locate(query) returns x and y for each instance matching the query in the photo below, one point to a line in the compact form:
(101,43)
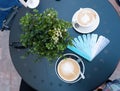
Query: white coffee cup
(86,17)
(68,69)
(32,3)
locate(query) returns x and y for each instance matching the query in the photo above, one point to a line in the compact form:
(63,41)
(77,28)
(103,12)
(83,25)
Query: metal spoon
(76,24)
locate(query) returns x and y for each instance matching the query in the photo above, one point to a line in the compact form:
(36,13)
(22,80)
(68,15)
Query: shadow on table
(25,87)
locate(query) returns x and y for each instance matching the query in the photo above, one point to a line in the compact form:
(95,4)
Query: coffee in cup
(86,17)
(68,69)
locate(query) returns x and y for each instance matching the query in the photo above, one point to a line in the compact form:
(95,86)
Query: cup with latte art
(86,17)
(70,68)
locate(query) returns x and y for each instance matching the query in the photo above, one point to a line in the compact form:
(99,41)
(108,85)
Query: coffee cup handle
(81,9)
(82,75)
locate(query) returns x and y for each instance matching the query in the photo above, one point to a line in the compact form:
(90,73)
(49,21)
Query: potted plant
(45,34)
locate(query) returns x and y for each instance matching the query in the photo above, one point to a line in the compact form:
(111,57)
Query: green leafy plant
(45,34)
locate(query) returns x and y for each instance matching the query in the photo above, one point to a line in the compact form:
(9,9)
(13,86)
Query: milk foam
(67,68)
(85,18)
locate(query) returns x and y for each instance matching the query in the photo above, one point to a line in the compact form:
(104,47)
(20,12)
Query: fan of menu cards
(89,46)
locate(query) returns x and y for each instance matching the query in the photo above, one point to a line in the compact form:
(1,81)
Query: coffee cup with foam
(70,68)
(86,17)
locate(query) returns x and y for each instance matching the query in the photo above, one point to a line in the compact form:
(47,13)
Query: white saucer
(85,29)
(32,3)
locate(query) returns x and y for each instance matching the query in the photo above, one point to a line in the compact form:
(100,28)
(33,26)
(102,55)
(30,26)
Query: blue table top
(41,75)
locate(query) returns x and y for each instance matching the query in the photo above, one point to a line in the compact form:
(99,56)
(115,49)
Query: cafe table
(41,75)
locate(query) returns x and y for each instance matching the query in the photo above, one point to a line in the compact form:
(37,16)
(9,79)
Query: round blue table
(41,75)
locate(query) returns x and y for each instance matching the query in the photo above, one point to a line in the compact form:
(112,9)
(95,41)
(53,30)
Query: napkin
(88,46)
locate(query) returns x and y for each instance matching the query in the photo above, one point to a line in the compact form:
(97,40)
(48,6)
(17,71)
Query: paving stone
(9,78)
